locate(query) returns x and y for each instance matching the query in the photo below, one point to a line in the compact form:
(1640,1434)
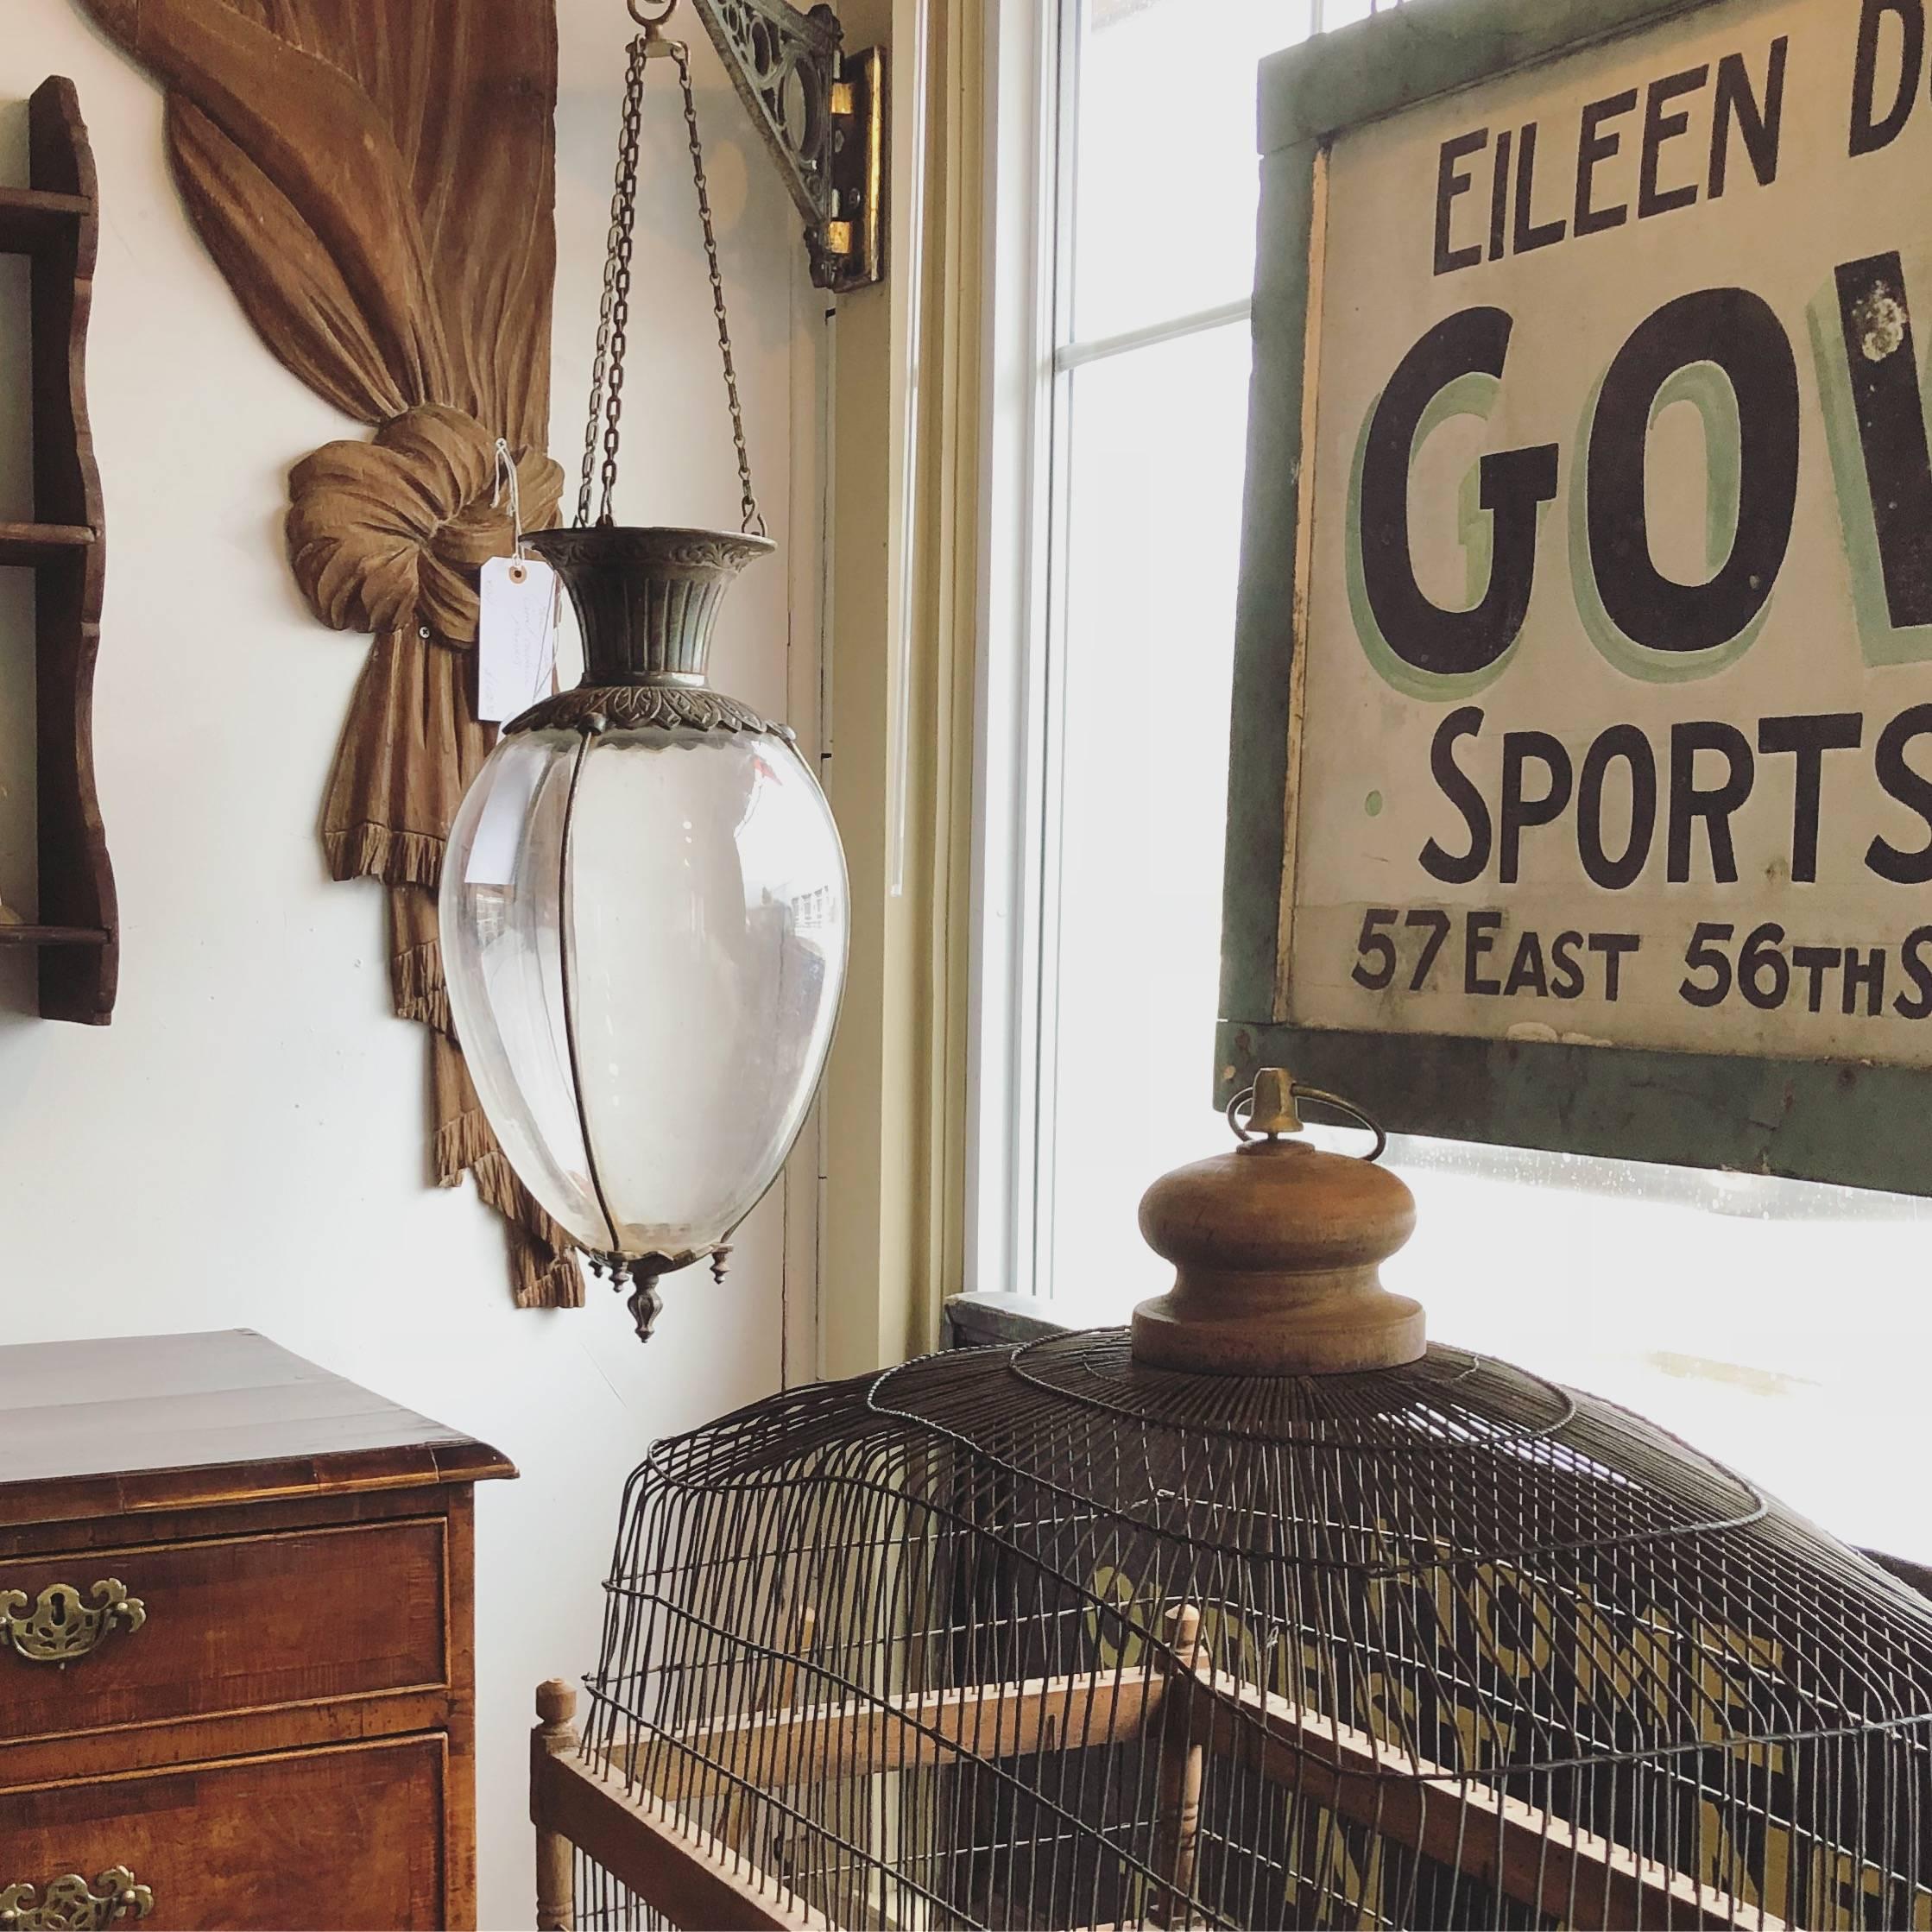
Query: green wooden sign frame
(1840,1121)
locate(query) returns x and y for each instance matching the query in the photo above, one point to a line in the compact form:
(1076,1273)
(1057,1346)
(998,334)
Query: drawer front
(346,1837)
(233,1625)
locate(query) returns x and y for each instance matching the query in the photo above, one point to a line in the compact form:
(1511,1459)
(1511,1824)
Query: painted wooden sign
(1583,747)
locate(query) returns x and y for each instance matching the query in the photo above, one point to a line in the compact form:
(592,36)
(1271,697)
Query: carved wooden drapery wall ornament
(376,182)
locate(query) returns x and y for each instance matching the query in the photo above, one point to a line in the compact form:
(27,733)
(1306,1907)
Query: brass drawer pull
(73,1905)
(61,1627)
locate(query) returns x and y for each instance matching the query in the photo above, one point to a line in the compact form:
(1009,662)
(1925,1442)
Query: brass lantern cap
(646,600)
(1276,1248)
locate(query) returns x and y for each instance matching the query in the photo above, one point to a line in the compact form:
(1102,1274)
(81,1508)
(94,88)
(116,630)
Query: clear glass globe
(644,937)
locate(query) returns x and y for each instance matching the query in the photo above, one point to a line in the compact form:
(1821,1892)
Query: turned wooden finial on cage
(1277,1246)
(553,1736)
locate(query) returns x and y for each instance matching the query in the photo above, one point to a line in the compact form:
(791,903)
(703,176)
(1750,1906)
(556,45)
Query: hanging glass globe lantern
(644,906)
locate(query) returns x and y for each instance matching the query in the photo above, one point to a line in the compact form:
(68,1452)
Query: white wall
(245,1146)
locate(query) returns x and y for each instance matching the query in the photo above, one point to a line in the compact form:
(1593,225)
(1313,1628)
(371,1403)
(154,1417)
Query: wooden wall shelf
(33,219)
(41,543)
(55,224)
(52,935)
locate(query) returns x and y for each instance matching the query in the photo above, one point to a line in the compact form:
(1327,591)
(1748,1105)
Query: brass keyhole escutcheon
(62,1625)
(73,1905)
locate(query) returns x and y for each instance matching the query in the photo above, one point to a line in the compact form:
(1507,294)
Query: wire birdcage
(1056,1637)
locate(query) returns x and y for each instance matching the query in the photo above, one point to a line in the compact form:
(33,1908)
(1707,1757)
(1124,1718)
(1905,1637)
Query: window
(1109,783)
(1779,1325)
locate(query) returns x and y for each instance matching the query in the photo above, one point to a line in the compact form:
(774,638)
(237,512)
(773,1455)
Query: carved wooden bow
(375,181)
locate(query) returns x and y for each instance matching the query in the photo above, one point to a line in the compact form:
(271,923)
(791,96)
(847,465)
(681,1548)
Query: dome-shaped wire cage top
(1057,1637)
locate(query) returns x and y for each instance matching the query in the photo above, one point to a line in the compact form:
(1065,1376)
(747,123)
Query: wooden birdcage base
(636,1827)
(689,1876)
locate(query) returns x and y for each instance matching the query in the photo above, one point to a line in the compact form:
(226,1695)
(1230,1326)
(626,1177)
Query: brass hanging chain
(747,501)
(607,366)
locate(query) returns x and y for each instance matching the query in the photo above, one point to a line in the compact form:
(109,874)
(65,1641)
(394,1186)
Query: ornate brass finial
(1274,1108)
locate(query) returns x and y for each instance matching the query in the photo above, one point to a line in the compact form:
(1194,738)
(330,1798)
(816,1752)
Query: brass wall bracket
(822,111)
(73,1905)
(62,1627)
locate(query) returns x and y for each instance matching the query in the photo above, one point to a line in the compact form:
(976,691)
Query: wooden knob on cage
(1276,1248)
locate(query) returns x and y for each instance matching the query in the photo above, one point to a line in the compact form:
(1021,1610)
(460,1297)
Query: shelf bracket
(822,111)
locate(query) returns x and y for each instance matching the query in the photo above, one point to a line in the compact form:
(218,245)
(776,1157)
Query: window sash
(1034,358)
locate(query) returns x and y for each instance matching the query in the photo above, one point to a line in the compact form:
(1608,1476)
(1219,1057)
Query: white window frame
(1024,197)
(1031,351)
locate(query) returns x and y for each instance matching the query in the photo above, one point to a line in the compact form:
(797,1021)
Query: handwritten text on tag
(516,637)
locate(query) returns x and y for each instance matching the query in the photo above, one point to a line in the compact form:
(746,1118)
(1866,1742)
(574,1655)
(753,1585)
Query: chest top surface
(175,1420)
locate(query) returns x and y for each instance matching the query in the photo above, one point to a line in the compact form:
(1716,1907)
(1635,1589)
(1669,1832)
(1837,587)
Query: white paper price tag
(516,637)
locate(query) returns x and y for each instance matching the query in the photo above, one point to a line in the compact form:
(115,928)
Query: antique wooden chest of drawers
(235,1604)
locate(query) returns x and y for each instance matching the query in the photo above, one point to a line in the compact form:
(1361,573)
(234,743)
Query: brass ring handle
(1355,1113)
(1300,1093)
(73,1905)
(62,1627)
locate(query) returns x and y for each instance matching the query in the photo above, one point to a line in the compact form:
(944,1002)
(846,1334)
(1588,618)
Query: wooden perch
(1527,1855)
(774,1750)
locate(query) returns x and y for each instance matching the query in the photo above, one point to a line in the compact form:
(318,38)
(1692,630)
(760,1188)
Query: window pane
(1164,166)
(1147,657)
(1781,1326)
